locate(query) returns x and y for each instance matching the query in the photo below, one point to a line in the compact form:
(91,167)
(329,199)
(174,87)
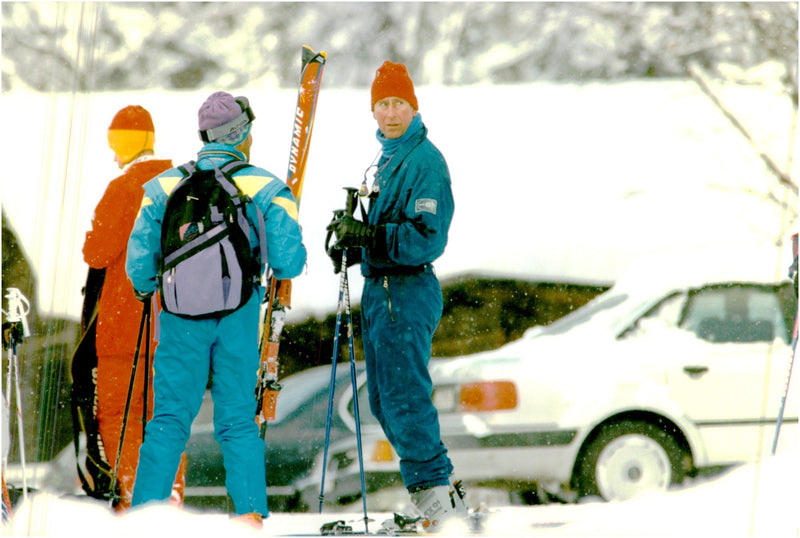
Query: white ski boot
(437,504)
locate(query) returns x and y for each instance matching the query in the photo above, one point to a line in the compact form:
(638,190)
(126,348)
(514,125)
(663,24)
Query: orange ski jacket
(106,244)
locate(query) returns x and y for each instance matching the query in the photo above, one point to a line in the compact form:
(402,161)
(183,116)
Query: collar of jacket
(390,145)
(402,152)
(220,153)
(140,159)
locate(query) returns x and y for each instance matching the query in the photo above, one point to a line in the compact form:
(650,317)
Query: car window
(298,389)
(735,313)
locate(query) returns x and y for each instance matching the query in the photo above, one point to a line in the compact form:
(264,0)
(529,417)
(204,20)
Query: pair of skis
(401,525)
(279,293)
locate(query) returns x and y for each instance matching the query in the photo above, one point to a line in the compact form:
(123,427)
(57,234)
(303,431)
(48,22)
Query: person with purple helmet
(226,348)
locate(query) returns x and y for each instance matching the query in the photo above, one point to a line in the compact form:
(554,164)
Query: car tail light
(382,451)
(488,396)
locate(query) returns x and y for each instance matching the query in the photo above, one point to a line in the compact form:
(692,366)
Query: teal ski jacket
(286,254)
(415,204)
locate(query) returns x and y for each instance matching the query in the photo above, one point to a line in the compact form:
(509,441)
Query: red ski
(279,293)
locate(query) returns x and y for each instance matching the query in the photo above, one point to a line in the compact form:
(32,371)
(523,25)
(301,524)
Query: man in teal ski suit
(410,209)
(227,347)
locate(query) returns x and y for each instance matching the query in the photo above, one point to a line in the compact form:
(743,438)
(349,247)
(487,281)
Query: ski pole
(779,422)
(332,386)
(356,414)
(17,319)
(343,305)
(146,371)
(145,319)
(793,275)
(339,213)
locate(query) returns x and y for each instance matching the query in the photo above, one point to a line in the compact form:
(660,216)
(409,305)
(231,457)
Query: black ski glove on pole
(354,233)
(335,254)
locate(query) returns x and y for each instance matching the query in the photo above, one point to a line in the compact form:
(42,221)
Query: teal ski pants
(399,315)
(188,351)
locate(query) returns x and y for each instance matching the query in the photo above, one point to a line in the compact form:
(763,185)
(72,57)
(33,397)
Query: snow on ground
(562,182)
(752,500)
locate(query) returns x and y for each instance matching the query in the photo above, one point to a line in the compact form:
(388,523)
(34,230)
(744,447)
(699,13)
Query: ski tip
(310,55)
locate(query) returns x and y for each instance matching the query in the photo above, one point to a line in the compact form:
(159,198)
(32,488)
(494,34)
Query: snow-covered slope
(753,500)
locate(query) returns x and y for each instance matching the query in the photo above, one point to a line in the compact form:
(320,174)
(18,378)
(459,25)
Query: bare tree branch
(697,74)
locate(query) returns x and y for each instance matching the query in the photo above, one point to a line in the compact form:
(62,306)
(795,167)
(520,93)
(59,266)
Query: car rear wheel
(628,458)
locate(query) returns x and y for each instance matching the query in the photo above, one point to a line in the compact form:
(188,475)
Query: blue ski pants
(188,351)
(399,315)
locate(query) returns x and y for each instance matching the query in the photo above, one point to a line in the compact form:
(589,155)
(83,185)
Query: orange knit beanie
(131,132)
(392,80)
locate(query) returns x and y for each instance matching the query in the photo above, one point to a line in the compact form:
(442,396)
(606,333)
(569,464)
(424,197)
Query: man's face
(393,115)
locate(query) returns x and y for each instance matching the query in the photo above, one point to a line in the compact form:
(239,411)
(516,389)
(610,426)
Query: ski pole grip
(352,199)
(18,308)
(350,208)
(337,214)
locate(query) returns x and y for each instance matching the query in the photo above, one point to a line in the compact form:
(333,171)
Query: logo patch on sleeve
(427,205)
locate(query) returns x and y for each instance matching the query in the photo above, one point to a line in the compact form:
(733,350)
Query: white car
(682,365)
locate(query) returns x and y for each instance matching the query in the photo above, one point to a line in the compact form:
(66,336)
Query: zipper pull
(388,297)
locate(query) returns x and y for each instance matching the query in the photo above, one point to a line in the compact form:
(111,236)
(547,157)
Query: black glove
(335,254)
(142,296)
(352,233)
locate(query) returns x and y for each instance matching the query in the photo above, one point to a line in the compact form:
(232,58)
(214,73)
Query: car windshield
(298,388)
(582,315)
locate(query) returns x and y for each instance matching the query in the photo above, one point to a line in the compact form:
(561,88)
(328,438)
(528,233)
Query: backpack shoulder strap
(231,167)
(226,179)
(187,169)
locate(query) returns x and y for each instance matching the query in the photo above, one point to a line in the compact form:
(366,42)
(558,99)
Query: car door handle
(695,371)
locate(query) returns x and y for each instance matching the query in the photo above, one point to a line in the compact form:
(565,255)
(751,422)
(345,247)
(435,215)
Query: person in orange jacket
(131,136)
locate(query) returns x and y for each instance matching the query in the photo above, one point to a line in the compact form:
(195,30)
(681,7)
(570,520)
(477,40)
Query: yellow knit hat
(131,132)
